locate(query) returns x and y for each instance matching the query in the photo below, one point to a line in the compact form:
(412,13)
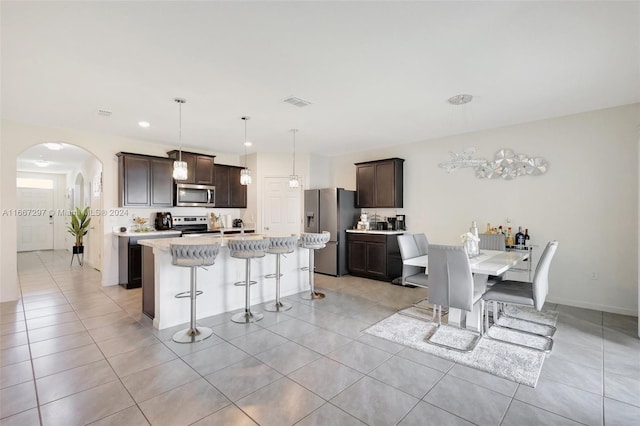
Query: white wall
(16,137)
(588,199)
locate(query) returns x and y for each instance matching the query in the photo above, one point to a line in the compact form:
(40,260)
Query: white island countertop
(153,234)
(375,232)
(164,243)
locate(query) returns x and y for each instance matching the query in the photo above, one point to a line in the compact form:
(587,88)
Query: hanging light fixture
(294,180)
(180,167)
(245,174)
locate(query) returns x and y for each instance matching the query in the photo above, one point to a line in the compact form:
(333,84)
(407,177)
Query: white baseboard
(594,306)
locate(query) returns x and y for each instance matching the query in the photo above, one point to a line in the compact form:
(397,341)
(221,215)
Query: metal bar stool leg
(193,333)
(278,306)
(312,293)
(247,316)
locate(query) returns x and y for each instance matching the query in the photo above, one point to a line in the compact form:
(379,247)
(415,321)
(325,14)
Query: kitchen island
(161,280)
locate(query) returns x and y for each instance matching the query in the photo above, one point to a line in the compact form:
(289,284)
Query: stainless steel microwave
(189,195)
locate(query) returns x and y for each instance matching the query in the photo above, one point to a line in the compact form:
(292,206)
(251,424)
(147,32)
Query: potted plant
(79,227)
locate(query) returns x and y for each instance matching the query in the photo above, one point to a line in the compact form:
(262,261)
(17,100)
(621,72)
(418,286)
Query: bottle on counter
(488,231)
(526,236)
(509,237)
(520,237)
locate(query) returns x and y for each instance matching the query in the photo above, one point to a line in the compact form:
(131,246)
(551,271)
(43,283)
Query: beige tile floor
(74,353)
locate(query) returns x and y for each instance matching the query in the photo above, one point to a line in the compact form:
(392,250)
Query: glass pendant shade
(245,174)
(245,177)
(294,180)
(180,170)
(180,167)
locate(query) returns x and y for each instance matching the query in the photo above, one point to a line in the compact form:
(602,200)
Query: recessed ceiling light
(144,124)
(41,163)
(54,146)
(248,143)
(460,99)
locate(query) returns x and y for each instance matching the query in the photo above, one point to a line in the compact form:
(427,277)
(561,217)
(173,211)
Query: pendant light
(294,180)
(245,174)
(180,167)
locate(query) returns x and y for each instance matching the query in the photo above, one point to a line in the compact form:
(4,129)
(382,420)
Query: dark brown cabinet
(144,181)
(380,183)
(374,256)
(200,167)
(229,191)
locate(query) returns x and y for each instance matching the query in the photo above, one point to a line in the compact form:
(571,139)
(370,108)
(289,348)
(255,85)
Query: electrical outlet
(594,276)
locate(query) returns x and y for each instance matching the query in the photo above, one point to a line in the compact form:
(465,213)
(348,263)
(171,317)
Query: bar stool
(279,246)
(313,242)
(247,250)
(192,256)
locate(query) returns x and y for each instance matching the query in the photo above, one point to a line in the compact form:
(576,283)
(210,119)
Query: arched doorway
(73,177)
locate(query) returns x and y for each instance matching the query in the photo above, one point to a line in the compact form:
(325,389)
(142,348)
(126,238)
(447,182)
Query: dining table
(487,262)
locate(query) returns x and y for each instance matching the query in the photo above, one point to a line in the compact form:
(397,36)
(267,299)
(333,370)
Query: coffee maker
(401,223)
(163,221)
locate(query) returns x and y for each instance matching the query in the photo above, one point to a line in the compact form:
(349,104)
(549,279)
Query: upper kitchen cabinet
(229,191)
(200,168)
(144,181)
(379,183)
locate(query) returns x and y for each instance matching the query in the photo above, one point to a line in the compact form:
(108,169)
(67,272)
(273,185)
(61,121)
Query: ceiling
(377,73)
(63,161)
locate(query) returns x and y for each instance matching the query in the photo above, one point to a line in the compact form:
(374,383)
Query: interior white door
(282,210)
(35,219)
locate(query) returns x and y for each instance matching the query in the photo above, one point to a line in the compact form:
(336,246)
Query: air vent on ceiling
(104,112)
(295,101)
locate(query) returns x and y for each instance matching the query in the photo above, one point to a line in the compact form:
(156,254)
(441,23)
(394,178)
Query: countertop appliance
(163,221)
(189,195)
(332,210)
(401,222)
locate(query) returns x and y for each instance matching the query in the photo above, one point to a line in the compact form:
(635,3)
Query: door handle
(266,228)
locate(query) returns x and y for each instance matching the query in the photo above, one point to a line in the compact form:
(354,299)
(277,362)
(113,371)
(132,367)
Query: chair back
(314,241)
(248,248)
(540,283)
(492,242)
(408,247)
(194,254)
(450,280)
(422,243)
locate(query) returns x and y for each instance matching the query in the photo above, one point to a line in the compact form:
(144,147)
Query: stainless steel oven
(189,195)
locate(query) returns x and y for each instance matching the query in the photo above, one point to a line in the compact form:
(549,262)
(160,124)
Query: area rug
(510,362)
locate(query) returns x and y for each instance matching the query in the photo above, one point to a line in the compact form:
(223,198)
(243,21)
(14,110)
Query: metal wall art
(506,164)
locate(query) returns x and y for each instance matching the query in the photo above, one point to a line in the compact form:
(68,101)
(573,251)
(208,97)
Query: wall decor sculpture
(506,164)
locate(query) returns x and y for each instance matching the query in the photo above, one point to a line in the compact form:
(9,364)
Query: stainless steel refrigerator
(332,210)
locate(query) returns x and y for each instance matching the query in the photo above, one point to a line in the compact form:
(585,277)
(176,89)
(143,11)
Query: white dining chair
(522,293)
(451,284)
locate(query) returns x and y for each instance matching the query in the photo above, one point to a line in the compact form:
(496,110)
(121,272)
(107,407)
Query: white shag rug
(510,362)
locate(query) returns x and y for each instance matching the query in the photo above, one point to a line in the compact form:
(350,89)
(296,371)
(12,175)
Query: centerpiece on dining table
(471,241)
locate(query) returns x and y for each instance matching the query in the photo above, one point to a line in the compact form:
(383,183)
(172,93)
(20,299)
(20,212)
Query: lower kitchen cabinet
(130,260)
(375,256)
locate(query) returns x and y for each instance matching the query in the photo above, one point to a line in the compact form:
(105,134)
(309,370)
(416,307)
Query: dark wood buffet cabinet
(379,183)
(375,256)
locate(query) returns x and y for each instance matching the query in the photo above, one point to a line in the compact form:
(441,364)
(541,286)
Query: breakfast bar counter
(161,280)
